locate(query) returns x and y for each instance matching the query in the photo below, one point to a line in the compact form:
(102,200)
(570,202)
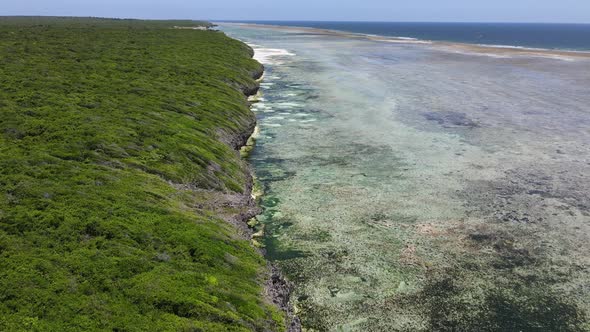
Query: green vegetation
(111,151)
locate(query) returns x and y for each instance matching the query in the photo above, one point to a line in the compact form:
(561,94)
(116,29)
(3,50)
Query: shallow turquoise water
(413,187)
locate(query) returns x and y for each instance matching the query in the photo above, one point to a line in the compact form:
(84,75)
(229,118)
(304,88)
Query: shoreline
(446,46)
(277,289)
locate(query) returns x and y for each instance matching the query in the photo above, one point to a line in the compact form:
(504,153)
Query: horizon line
(379,21)
(299,20)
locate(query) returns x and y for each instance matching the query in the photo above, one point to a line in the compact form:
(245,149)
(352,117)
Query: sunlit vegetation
(101,123)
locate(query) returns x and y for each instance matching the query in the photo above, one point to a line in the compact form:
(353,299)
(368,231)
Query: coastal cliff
(120,173)
(277,288)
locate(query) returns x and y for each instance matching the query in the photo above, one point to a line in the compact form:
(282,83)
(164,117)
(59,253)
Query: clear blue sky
(360,10)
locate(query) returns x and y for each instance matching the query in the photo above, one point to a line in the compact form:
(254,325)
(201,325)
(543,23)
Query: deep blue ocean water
(535,35)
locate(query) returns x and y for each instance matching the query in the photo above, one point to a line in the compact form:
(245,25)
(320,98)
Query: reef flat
(123,193)
(424,186)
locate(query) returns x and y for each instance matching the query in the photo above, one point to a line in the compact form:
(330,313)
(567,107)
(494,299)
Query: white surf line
(269,55)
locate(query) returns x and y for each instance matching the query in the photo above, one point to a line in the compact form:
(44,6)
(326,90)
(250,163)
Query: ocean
(423,186)
(533,35)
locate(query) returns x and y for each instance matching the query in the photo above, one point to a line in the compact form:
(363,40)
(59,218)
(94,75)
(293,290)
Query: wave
(269,55)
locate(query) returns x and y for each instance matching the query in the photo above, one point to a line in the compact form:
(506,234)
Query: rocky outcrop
(277,288)
(278,291)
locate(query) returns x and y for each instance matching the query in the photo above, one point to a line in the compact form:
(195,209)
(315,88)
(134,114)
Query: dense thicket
(101,123)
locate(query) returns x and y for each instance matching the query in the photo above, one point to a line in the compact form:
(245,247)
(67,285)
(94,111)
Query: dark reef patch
(275,252)
(450,119)
(454,305)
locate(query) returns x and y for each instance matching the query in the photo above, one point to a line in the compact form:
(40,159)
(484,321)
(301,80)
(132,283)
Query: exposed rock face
(277,288)
(253,89)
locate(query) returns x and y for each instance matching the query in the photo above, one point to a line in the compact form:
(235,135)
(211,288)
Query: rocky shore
(277,289)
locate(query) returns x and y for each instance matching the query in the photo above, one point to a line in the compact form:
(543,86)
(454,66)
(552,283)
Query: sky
(565,11)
